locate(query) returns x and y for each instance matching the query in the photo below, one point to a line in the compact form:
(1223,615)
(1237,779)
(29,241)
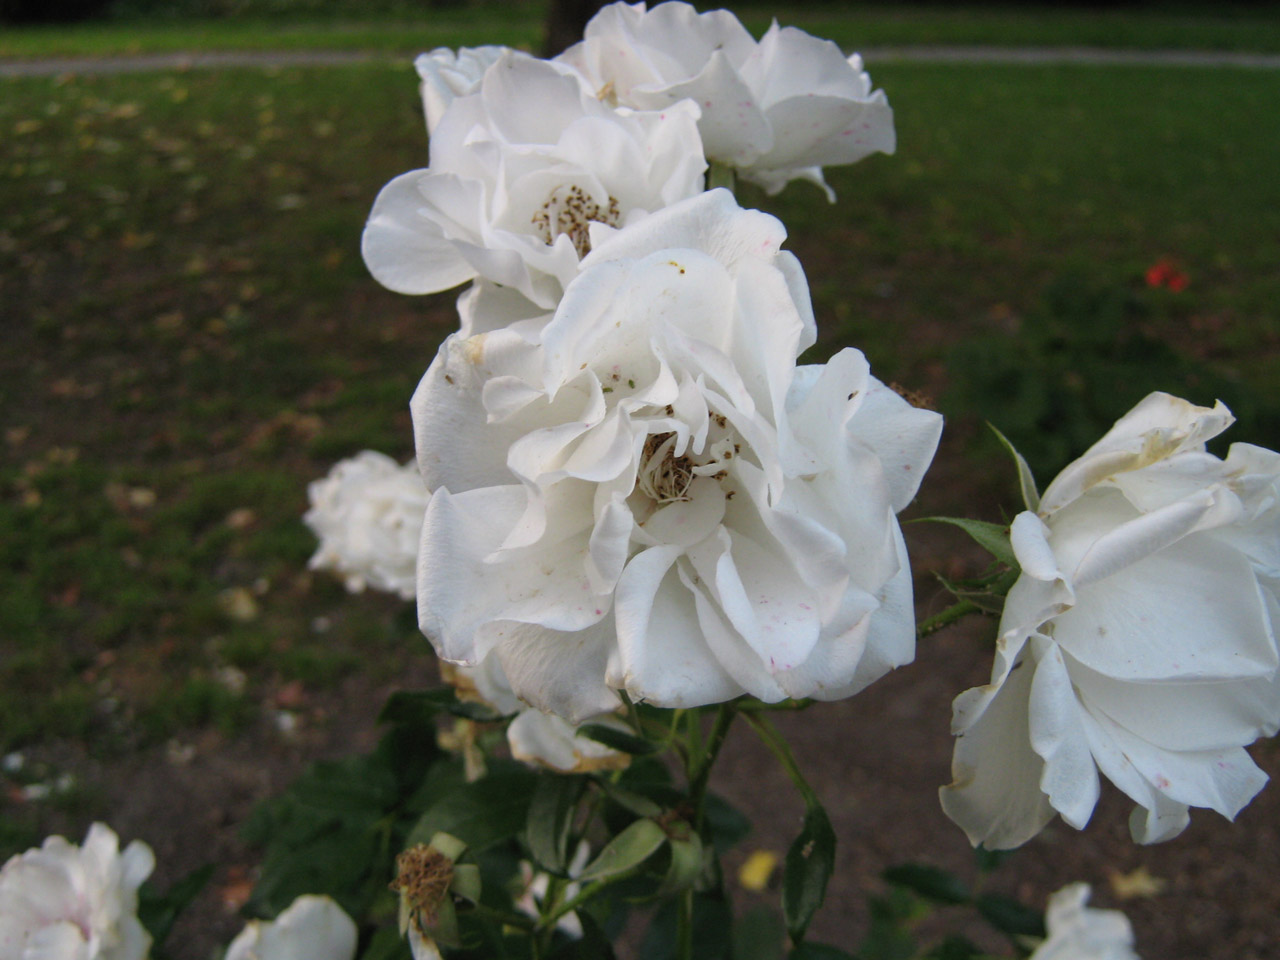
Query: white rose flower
(537,738)
(63,902)
(448,74)
(520,171)
(367,513)
(1138,641)
(777,110)
(650,495)
(312,928)
(1077,932)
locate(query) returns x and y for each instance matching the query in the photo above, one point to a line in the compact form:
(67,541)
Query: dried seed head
(423,875)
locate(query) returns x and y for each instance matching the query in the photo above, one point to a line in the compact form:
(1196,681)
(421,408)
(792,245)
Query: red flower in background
(1163,273)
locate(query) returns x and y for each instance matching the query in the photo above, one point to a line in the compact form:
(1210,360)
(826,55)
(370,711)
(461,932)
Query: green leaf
(387,944)
(412,706)
(479,814)
(726,825)
(759,934)
(809,865)
(617,739)
(712,926)
(1011,917)
(686,864)
(592,945)
(955,948)
(628,849)
(889,936)
(929,882)
(159,911)
(637,803)
(1026,482)
(992,537)
(550,818)
(818,951)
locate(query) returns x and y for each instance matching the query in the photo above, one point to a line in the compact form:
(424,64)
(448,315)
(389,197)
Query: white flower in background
(63,902)
(367,513)
(520,171)
(1077,932)
(534,888)
(652,496)
(1138,642)
(538,738)
(777,110)
(312,928)
(448,74)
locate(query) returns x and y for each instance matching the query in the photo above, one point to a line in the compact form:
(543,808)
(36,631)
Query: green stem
(700,777)
(684,926)
(548,921)
(778,747)
(721,175)
(946,618)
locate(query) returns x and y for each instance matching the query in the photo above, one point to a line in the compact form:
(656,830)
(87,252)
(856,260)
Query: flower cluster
(634,486)
(1139,641)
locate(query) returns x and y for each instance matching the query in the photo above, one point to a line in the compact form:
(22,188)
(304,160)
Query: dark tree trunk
(566,19)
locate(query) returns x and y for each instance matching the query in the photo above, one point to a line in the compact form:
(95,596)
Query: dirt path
(1091,56)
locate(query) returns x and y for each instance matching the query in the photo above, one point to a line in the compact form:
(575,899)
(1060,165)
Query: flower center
(664,477)
(569,211)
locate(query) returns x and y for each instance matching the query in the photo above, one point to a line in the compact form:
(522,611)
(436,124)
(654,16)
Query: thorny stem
(946,618)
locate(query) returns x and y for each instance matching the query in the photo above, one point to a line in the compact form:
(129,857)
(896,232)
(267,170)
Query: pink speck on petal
(1162,782)
(598,611)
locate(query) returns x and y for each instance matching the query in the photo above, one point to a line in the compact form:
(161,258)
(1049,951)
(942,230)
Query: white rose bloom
(650,495)
(367,513)
(777,110)
(312,928)
(519,172)
(63,902)
(448,74)
(1077,932)
(541,739)
(1138,641)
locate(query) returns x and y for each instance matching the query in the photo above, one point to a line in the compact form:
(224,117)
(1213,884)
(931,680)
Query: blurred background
(189,337)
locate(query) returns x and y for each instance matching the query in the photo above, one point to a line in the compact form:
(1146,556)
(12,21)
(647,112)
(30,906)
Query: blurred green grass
(1219,27)
(191,336)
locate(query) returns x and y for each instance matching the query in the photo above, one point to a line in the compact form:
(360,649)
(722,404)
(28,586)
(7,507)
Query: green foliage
(930,882)
(338,828)
(551,815)
(810,862)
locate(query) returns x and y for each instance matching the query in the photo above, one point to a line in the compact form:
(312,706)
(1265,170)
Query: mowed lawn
(190,336)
